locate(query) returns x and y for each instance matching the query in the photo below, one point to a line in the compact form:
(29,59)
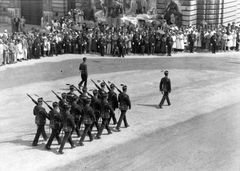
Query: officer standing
(88,119)
(165,88)
(125,104)
(55,124)
(68,126)
(84,73)
(40,119)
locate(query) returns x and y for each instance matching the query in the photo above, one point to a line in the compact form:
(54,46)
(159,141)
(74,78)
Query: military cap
(95,91)
(64,95)
(66,106)
(40,99)
(166,72)
(102,84)
(71,86)
(104,95)
(124,87)
(55,104)
(74,98)
(112,86)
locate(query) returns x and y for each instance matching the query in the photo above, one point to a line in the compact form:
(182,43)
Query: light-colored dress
(230,40)
(19,51)
(1,54)
(181,41)
(177,42)
(234,39)
(174,42)
(199,40)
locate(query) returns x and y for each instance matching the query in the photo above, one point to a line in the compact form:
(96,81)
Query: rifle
(75,88)
(34,101)
(116,87)
(59,98)
(107,86)
(46,103)
(96,85)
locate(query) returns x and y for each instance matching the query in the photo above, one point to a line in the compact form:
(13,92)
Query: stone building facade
(194,12)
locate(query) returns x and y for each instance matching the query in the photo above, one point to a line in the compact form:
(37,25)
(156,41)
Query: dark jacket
(106,108)
(112,99)
(56,119)
(88,116)
(165,85)
(40,115)
(124,101)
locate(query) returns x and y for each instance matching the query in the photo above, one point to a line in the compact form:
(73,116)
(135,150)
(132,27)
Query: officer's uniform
(70,95)
(68,126)
(88,119)
(125,104)
(105,114)
(56,125)
(112,100)
(165,87)
(96,106)
(40,119)
(76,112)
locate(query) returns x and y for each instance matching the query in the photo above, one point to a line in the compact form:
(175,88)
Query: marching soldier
(102,90)
(165,88)
(96,106)
(55,124)
(112,100)
(105,114)
(88,119)
(125,104)
(68,126)
(63,100)
(71,94)
(40,119)
(76,112)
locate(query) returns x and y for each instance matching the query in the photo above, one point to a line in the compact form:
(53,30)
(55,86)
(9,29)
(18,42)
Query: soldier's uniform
(55,124)
(77,113)
(70,95)
(68,126)
(88,119)
(165,88)
(113,101)
(125,104)
(96,106)
(105,114)
(40,119)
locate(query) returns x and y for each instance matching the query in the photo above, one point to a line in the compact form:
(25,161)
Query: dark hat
(166,72)
(64,95)
(87,100)
(104,95)
(71,86)
(102,84)
(55,104)
(112,86)
(124,87)
(74,98)
(84,58)
(95,91)
(40,99)
(66,106)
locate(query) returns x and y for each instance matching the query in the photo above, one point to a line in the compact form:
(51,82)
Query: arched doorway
(32,10)
(71,4)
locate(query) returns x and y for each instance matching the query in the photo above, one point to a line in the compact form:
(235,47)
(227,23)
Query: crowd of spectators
(72,35)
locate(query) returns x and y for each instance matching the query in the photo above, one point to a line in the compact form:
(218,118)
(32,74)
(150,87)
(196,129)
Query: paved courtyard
(199,131)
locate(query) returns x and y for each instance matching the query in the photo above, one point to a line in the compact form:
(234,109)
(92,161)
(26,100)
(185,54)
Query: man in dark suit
(165,88)
(169,44)
(214,43)
(112,100)
(191,40)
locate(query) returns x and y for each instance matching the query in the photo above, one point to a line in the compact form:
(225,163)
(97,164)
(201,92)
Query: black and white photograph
(119,85)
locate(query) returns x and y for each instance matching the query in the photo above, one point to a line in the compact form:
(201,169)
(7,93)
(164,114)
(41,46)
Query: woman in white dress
(230,41)
(19,50)
(174,37)
(1,52)
(234,34)
(178,41)
(199,40)
(181,41)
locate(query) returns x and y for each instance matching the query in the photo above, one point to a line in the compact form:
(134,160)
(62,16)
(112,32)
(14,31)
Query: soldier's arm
(46,114)
(160,85)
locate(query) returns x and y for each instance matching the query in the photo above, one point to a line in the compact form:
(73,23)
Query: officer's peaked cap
(40,99)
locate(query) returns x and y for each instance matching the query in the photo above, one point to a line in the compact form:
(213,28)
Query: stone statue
(172,14)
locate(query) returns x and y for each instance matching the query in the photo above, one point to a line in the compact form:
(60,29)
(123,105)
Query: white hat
(5,31)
